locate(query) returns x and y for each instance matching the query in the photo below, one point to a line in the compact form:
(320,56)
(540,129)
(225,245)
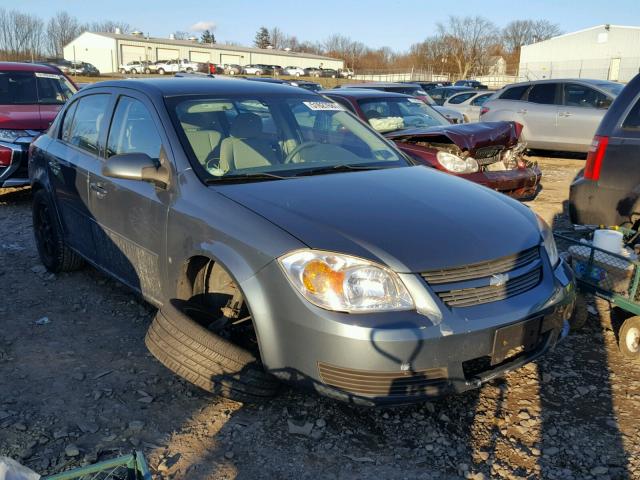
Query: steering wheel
(298,149)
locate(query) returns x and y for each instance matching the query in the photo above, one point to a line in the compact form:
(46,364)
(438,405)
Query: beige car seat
(245,147)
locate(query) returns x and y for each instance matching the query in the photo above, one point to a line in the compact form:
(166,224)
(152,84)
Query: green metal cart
(126,467)
(610,277)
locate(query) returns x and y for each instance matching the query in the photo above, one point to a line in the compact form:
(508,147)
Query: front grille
(466,297)
(373,383)
(483,269)
(488,152)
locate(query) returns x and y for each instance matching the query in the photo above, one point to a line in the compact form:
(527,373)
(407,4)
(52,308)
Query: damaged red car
(487,153)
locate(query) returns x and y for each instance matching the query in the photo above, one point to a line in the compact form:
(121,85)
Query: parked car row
(163,66)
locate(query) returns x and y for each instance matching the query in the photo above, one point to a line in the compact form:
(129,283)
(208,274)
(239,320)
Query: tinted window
(514,93)
(436,93)
(633,119)
(576,95)
(87,122)
(132,130)
(67,123)
(344,103)
(460,98)
(480,100)
(29,88)
(544,93)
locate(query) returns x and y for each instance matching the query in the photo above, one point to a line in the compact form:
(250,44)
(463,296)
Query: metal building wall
(596,52)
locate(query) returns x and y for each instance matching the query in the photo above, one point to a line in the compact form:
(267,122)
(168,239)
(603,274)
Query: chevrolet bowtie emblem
(499,279)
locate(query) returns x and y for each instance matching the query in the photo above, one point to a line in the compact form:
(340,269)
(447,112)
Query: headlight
(454,163)
(548,241)
(11,135)
(345,283)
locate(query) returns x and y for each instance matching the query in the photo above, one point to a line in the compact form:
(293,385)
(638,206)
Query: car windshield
(389,114)
(275,137)
(610,87)
(31,88)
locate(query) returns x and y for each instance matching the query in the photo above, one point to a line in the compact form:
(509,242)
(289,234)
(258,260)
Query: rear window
(514,93)
(543,93)
(632,122)
(460,98)
(30,88)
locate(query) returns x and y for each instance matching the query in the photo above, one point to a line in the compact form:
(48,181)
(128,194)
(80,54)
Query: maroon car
(486,153)
(30,97)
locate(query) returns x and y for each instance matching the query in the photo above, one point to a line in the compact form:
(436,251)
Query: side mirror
(136,166)
(606,103)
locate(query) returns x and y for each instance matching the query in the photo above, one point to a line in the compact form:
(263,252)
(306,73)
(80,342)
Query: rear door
(540,113)
(474,106)
(580,114)
(70,157)
(131,215)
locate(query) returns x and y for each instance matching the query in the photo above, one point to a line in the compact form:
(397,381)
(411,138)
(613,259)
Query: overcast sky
(377,23)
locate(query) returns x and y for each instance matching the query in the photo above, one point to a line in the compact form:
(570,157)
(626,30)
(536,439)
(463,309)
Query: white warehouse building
(107,51)
(603,52)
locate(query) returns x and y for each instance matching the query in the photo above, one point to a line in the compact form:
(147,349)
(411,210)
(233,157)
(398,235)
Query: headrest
(246,125)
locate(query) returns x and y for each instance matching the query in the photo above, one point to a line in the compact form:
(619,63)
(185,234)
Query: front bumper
(520,183)
(398,357)
(16,174)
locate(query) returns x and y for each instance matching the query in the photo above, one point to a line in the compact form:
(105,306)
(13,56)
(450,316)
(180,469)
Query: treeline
(24,36)
(460,47)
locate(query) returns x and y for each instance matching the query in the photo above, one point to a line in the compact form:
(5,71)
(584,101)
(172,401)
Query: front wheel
(123,71)
(629,338)
(147,71)
(161,71)
(189,69)
(54,253)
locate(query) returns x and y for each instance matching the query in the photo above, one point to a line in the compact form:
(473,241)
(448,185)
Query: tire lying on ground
(205,359)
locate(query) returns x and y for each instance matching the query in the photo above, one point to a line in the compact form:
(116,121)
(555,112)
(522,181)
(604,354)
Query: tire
(161,71)
(232,72)
(297,74)
(134,71)
(206,359)
(258,73)
(147,71)
(189,70)
(54,254)
(123,71)
(580,314)
(629,338)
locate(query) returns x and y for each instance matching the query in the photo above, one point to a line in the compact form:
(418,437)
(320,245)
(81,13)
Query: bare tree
(61,29)
(467,41)
(277,37)
(180,35)
(109,26)
(21,35)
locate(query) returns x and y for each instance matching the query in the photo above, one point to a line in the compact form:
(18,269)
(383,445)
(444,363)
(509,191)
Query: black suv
(607,192)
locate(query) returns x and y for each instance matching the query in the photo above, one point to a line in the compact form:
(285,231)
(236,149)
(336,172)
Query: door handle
(99,190)
(565,114)
(522,110)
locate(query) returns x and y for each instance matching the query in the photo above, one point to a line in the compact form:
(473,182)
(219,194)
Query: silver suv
(555,114)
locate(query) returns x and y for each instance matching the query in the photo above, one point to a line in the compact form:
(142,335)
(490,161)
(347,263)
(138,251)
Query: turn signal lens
(318,277)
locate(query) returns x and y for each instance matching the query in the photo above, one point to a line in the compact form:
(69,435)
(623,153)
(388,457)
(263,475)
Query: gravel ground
(77,385)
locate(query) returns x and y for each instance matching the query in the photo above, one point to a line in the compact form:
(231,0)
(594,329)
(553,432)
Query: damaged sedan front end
(489,154)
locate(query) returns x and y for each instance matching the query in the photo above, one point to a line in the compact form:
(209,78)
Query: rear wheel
(161,71)
(147,71)
(134,71)
(189,69)
(123,71)
(54,254)
(629,338)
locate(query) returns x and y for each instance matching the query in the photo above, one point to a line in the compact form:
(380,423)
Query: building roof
(215,46)
(595,27)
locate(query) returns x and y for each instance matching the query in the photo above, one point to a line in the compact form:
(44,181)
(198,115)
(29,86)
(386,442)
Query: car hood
(412,219)
(467,136)
(27,117)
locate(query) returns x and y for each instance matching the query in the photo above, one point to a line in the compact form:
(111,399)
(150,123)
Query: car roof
(459,88)
(170,87)
(27,67)
(375,84)
(590,81)
(358,93)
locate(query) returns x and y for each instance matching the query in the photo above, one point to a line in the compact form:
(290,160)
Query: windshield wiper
(244,177)
(338,169)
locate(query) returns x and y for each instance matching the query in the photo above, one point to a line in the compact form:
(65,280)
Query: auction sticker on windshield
(323,106)
(47,75)
(415,100)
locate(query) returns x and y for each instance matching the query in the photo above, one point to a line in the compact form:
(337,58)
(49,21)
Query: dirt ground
(77,385)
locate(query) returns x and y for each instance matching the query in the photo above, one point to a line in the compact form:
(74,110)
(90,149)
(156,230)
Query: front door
(131,215)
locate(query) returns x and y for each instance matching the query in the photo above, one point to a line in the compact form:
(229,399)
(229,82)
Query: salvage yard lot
(77,384)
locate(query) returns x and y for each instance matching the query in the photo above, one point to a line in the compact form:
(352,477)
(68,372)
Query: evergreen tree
(262,40)
(207,37)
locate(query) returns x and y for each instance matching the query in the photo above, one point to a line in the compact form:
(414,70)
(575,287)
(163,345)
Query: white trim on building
(106,51)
